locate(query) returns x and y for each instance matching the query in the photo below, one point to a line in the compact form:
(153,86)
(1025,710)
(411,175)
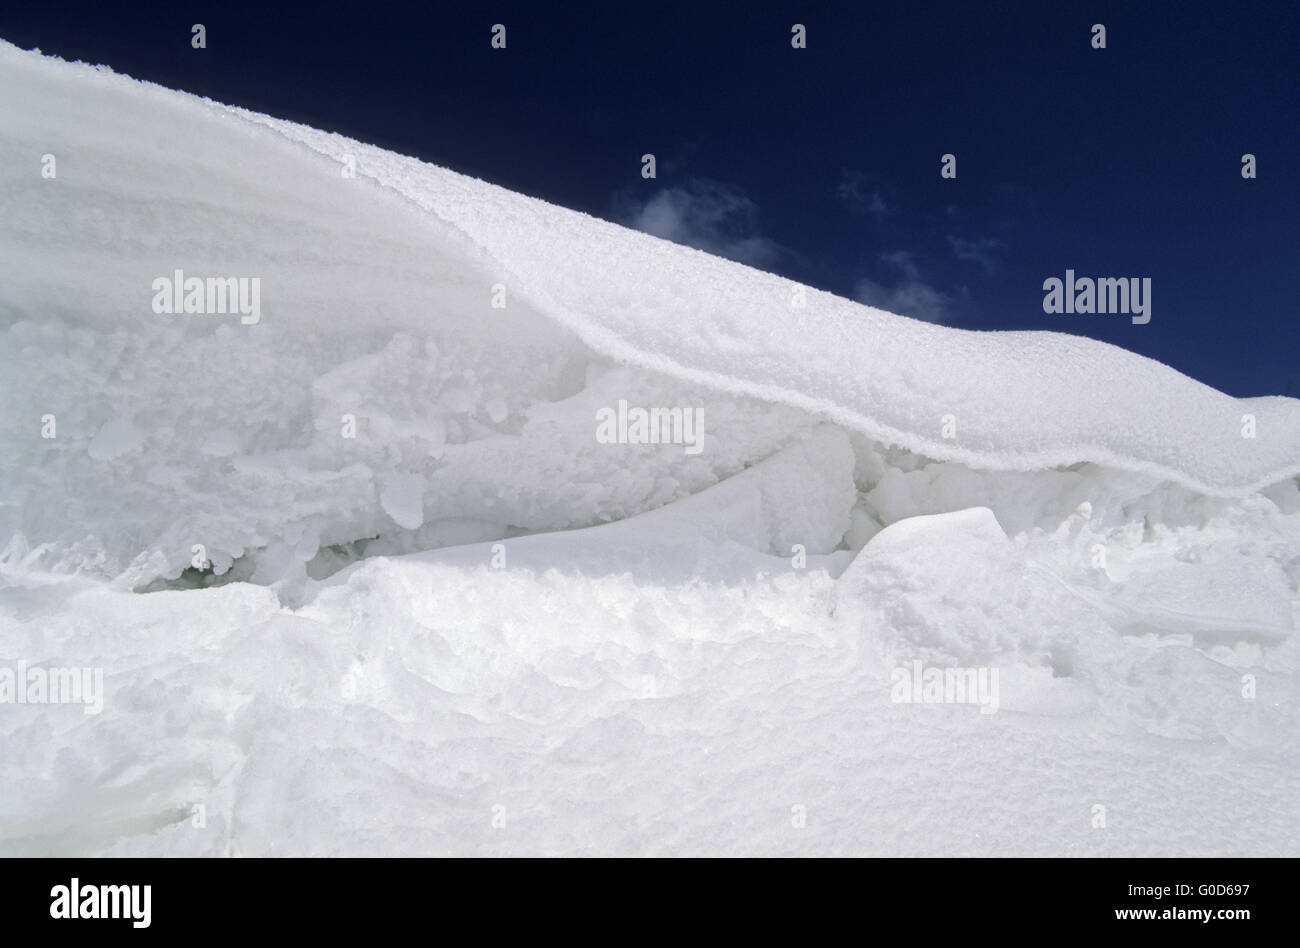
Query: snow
(441,617)
(114,439)
(402,498)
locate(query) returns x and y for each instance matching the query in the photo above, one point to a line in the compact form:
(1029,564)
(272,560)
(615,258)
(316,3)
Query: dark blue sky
(822,164)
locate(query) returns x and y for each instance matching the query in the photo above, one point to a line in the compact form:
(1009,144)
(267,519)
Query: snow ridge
(1022,400)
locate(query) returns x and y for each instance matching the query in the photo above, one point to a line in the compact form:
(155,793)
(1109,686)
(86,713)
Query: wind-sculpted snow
(376,303)
(440,613)
(1021,401)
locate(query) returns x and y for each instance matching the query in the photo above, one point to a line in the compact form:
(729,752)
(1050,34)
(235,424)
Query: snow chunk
(402,497)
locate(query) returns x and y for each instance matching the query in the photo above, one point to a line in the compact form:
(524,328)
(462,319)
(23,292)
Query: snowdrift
(376,302)
(433,613)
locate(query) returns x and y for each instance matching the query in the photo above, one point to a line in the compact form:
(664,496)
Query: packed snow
(362,578)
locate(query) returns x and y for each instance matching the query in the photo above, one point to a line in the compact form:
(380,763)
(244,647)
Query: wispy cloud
(865,194)
(707,215)
(908,294)
(980,251)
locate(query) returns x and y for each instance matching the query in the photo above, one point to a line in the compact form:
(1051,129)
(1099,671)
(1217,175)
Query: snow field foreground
(472,627)
(648,687)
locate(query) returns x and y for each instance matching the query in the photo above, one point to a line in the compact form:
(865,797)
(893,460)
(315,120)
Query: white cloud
(707,215)
(903,262)
(980,251)
(909,296)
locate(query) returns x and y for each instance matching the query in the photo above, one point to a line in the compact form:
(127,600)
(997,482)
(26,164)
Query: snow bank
(376,312)
(1021,400)
(441,616)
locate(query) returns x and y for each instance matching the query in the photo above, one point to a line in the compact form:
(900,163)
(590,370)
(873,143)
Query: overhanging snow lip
(615,347)
(602,339)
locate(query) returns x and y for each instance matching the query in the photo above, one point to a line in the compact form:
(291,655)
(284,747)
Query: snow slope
(474,628)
